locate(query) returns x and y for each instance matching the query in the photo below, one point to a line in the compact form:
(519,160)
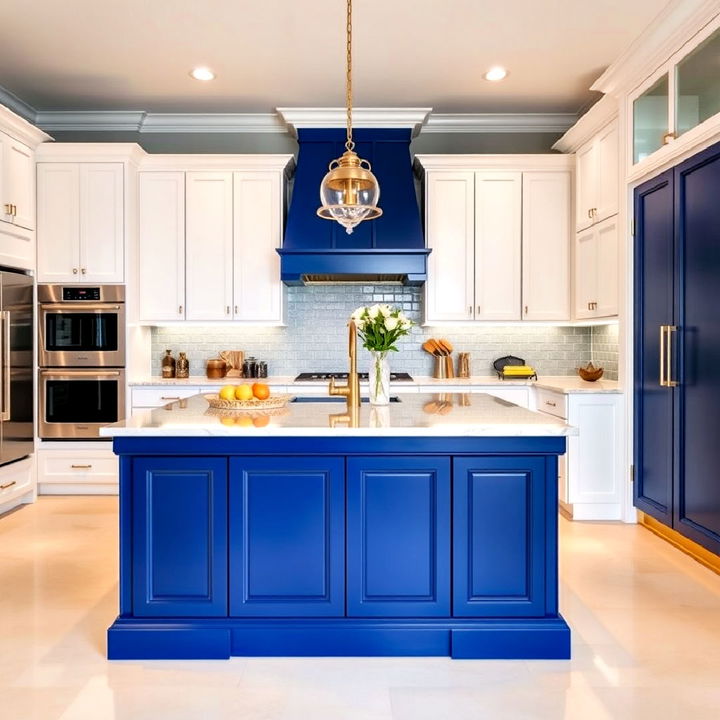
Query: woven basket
(274,402)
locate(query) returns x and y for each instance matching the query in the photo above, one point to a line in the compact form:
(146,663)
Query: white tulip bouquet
(380,326)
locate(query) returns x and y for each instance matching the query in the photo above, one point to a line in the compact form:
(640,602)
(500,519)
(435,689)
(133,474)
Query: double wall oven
(82,359)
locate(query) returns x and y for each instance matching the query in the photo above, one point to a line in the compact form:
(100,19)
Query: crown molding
(556,161)
(18,106)
(247,161)
(597,117)
(666,34)
(103,120)
(84,151)
(22,130)
(336,117)
(499,122)
(212,123)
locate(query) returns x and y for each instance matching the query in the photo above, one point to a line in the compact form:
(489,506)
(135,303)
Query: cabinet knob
(74,271)
(83,271)
(180,310)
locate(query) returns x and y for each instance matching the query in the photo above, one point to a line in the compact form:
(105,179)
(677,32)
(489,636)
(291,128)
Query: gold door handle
(551,404)
(590,213)
(227,309)
(236,309)
(162,397)
(180,310)
(14,210)
(470,310)
(8,209)
(81,467)
(7,485)
(478,309)
(663,356)
(83,271)
(668,362)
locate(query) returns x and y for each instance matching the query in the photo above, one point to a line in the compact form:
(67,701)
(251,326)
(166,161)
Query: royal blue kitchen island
(413,533)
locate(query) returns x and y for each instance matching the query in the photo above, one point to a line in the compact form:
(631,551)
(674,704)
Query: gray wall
(456,143)
(315,337)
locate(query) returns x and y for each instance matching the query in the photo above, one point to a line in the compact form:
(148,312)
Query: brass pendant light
(349,193)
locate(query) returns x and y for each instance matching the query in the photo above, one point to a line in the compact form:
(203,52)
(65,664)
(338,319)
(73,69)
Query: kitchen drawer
(15,479)
(517,395)
(551,403)
(150,396)
(60,470)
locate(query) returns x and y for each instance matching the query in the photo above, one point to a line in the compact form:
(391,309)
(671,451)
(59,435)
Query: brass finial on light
(349,193)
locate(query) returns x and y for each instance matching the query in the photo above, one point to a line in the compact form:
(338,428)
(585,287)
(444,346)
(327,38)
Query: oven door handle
(71,373)
(70,307)
(6,397)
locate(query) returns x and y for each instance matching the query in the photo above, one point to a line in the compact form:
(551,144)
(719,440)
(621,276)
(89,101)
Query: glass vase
(379,380)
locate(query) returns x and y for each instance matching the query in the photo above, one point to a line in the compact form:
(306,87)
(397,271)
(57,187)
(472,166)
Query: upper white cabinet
(546,237)
(17,182)
(161,232)
(596,196)
(215,234)
(209,245)
(596,271)
(500,238)
(80,222)
(257,232)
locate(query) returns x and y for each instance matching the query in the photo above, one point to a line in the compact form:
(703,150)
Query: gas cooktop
(321,376)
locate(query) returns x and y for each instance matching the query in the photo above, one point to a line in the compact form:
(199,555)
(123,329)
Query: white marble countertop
(417,414)
(566,384)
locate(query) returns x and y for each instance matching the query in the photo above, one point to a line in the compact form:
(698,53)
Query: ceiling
(136,54)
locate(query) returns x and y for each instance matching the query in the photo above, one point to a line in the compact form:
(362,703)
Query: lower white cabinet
(17,483)
(153,396)
(77,470)
(590,473)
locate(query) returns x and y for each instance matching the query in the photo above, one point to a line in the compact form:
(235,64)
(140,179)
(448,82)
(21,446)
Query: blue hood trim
(389,248)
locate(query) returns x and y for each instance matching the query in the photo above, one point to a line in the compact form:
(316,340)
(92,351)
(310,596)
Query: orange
(261,391)
(261,421)
(243,392)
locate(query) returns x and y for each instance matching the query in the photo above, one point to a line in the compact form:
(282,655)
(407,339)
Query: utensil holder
(440,372)
(464,365)
(449,370)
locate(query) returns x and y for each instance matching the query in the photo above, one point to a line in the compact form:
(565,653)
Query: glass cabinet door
(698,85)
(650,119)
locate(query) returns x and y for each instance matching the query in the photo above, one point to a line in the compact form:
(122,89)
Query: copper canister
(216,368)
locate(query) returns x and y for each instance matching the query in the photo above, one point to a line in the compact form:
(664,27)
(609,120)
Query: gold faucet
(351,390)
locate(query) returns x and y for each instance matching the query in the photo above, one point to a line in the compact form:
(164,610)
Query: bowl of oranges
(247,397)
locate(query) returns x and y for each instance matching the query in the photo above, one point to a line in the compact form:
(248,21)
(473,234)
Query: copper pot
(216,368)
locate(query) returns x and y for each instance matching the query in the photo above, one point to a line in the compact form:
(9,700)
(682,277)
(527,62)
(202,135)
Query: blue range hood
(390,249)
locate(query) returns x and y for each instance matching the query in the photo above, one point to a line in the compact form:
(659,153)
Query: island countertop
(415,415)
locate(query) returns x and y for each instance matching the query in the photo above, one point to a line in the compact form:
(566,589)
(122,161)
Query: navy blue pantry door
(179,537)
(502,524)
(696,506)
(398,536)
(655,264)
(287,536)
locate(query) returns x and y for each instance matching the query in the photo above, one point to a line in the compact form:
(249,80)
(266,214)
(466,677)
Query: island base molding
(501,639)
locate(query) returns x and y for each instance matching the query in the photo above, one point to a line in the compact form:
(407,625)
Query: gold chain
(349,144)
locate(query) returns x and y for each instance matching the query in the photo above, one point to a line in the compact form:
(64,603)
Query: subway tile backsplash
(316,338)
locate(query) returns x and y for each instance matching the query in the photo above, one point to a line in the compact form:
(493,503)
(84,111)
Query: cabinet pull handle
(236,309)
(14,210)
(470,310)
(478,309)
(162,397)
(83,271)
(526,309)
(668,362)
(81,467)
(550,403)
(7,485)
(589,213)
(180,310)
(663,381)
(74,271)
(8,209)
(227,309)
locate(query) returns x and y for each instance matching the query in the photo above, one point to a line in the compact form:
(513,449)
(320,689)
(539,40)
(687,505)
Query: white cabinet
(152,396)
(498,210)
(596,271)
(209,245)
(590,473)
(17,183)
(257,228)
(597,178)
(77,470)
(450,232)
(17,483)
(500,242)
(546,237)
(80,222)
(161,251)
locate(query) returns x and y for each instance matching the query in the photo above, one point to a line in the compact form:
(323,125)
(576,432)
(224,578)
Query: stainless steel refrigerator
(16,366)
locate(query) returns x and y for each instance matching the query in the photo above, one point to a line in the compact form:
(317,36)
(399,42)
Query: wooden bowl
(590,374)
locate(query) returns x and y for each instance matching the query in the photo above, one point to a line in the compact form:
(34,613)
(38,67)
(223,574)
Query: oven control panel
(81,293)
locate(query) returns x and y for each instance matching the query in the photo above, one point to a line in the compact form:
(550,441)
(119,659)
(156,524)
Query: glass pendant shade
(349,193)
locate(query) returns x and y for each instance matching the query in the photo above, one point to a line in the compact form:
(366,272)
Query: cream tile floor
(645,621)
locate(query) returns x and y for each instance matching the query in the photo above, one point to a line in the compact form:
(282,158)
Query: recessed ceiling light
(495,74)
(202,73)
